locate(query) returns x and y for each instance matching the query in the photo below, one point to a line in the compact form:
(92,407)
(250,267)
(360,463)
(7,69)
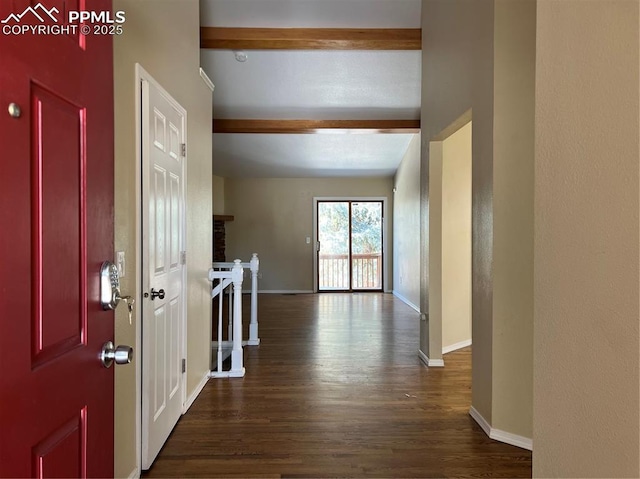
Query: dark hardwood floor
(336,389)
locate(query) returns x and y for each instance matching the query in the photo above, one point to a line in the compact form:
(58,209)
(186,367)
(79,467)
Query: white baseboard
(513,439)
(227,374)
(405,301)
(135,474)
(285,291)
(482,422)
(432,363)
(195,392)
(423,357)
(456,346)
(499,435)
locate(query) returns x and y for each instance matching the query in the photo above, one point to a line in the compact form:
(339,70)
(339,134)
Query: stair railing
(254,267)
(221,280)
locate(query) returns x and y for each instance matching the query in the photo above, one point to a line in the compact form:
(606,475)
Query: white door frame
(142,75)
(385,234)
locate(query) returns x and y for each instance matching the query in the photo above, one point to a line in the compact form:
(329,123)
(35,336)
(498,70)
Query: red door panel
(57,224)
(62,454)
(56,228)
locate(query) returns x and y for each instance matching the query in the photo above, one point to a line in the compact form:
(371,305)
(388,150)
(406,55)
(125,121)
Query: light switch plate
(308,240)
(120,263)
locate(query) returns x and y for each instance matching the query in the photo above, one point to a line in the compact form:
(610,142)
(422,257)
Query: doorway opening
(349,246)
(450,243)
(456,240)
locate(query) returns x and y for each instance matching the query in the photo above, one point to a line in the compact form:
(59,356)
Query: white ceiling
(340,85)
(311,13)
(298,156)
(349,85)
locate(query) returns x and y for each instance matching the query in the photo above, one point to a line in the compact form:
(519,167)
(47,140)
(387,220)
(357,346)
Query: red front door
(56,228)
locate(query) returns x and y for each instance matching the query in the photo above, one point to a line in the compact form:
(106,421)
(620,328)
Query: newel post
(237,368)
(254,264)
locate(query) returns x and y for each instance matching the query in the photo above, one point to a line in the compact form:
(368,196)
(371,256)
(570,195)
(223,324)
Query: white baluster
(254,340)
(219,353)
(237,368)
(230,325)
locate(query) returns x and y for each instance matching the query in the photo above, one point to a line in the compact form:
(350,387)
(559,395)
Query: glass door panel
(350,251)
(366,245)
(333,254)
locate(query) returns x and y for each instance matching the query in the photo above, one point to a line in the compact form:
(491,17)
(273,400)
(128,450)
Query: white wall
(406,221)
(586,384)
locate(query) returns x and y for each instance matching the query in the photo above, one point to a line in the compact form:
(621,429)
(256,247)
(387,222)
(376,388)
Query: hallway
(336,389)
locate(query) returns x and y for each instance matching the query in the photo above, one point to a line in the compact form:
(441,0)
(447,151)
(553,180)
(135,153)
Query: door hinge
(184,365)
(183,257)
(183,149)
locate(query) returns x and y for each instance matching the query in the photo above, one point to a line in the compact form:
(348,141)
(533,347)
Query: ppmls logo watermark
(39,20)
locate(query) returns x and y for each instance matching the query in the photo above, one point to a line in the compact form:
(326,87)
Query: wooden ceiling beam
(316,126)
(310,38)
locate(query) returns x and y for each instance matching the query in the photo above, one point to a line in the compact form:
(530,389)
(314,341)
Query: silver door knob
(119,355)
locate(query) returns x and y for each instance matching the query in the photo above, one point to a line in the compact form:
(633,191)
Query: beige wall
(457,74)
(456,237)
(273,217)
(586,240)
(218,195)
(513,159)
(478,62)
(406,221)
(434,348)
(164,38)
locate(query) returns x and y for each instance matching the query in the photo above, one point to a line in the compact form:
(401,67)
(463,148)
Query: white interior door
(163,311)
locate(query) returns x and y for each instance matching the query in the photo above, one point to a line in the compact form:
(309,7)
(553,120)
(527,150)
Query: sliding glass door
(350,245)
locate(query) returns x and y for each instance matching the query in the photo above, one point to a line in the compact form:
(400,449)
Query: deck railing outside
(333,271)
